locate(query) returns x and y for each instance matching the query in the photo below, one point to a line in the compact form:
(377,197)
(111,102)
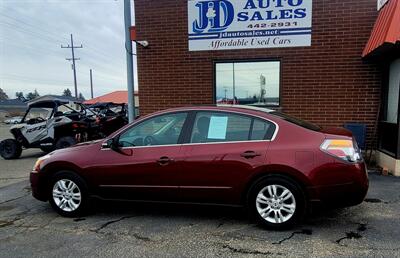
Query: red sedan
(273,164)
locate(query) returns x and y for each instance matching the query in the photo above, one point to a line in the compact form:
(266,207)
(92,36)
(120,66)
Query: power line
(48,36)
(73,59)
(33,79)
(25,23)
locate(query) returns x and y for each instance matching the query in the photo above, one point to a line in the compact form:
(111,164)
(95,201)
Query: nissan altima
(274,165)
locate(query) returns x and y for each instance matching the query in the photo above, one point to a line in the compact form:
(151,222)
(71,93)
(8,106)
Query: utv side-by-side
(112,116)
(50,125)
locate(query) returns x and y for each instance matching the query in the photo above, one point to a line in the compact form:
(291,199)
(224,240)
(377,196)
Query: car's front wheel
(277,202)
(68,194)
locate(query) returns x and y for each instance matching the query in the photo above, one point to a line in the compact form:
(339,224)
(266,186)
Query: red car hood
(79,146)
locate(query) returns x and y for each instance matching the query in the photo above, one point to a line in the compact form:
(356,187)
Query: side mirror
(108,144)
(113,145)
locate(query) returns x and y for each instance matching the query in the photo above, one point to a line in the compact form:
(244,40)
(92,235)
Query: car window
(160,130)
(220,127)
(262,130)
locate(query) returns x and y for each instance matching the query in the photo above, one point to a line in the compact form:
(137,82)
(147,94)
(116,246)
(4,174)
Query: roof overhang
(385,36)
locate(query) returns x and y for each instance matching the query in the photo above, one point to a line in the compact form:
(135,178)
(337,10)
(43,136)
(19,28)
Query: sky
(31,35)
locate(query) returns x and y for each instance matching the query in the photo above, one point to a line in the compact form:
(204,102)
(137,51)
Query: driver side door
(149,163)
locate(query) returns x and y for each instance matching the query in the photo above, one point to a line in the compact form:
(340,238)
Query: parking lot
(30,228)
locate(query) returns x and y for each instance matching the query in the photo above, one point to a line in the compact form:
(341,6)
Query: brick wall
(326,83)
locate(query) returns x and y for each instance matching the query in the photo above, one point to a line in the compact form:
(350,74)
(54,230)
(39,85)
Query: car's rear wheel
(68,194)
(277,202)
(65,142)
(10,149)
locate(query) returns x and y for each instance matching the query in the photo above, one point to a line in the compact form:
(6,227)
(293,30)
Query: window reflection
(248,83)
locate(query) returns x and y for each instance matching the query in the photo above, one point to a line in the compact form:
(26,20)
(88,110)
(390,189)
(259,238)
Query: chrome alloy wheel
(67,195)
(276,204)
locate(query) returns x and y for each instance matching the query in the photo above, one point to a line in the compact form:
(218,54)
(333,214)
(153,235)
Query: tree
(67,92)
(32,95)
(81,97)
(3,95)
(20,95)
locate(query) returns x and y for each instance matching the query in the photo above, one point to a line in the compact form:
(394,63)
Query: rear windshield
(296,121)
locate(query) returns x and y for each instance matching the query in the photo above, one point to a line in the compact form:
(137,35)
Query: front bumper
(39,186)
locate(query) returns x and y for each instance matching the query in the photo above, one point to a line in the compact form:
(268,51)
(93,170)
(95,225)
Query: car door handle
(249,154)
(164,161)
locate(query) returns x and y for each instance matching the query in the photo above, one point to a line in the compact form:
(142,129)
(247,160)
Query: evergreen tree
(3,95)
(32,95)
(67,92)
(81,97)
(20,95)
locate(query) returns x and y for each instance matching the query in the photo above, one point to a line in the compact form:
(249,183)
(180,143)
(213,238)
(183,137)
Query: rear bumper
(38,185)
(350,192)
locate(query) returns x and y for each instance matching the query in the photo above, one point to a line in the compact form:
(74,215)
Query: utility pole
(91,83)
(225,91)
(233,82)
(72,47)
(129,61)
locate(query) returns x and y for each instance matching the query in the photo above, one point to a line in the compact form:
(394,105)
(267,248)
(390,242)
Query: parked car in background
(273,164)
(13,120)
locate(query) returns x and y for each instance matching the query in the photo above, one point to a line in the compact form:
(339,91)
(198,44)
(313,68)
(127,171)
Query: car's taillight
(343,149)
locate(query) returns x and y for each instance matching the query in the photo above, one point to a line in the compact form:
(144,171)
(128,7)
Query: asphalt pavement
(30,228)
(12,171)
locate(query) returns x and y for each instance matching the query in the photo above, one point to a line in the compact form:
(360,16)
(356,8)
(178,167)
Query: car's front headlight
(39,162)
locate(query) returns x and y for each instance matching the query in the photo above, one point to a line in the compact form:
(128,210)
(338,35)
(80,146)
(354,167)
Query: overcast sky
(31,34)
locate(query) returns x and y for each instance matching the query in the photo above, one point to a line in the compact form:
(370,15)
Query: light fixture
(143,43)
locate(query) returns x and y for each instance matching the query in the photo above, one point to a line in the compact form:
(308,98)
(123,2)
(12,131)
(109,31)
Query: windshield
(296,121)
(41,113)
(69,109)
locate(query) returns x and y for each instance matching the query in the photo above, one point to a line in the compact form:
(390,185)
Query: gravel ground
(30,228)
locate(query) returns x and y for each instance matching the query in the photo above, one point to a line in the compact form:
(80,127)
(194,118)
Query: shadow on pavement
(32,155)
(168,210)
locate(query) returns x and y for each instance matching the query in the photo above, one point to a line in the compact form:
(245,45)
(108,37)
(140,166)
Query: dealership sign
(239,24)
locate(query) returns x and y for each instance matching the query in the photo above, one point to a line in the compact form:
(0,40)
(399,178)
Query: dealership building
(328,61)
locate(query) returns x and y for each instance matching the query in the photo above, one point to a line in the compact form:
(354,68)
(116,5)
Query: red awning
(386,30)
(118,97)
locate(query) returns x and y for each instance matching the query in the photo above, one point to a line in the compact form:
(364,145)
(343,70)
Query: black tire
(47,149)
(55,202)
(65,142)
(261,185)
(10,149)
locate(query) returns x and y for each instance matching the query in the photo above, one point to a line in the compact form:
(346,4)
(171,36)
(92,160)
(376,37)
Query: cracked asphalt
(30,228)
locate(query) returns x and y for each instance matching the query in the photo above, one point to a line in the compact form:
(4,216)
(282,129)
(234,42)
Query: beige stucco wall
(385,161)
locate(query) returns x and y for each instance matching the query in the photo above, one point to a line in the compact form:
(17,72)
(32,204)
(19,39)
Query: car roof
(251,110)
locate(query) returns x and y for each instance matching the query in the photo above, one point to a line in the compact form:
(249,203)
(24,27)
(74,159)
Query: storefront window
(248,83)
(393,93)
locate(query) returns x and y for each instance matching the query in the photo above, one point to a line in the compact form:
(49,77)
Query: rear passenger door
(223,150)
